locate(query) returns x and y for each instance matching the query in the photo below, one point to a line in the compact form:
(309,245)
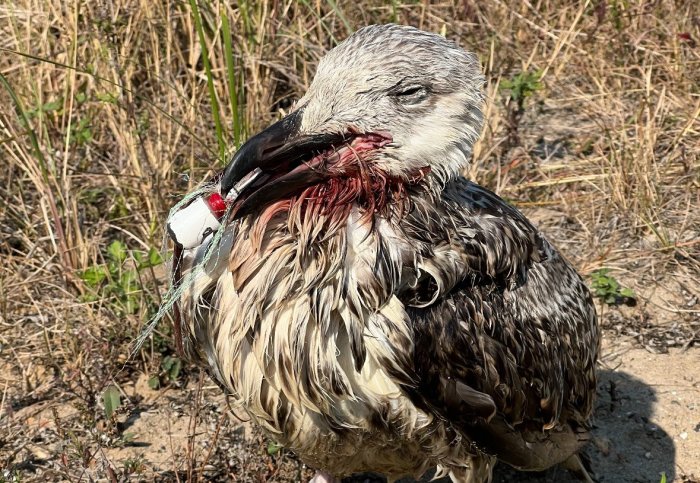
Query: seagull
(369,307)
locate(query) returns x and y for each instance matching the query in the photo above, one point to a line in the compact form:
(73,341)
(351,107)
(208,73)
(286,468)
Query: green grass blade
(341,16)
(210,79)
(43,167)
(247,24)
(22,114)
(233,87)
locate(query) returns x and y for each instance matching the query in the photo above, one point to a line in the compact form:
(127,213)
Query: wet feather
(399,316)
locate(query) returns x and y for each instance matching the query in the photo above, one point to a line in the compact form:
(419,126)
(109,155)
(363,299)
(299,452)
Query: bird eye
(411,94)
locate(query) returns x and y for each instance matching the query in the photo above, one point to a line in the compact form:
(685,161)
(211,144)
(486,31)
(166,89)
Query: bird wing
(505,338)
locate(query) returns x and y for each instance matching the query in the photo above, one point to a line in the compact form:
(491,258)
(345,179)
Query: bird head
(390,99)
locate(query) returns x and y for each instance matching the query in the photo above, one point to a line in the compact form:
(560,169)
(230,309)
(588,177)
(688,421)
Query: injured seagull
(366,305)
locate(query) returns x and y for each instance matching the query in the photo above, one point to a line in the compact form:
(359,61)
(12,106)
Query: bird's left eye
(411,95)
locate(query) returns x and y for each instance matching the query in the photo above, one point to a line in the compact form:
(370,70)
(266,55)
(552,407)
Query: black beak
(278,152)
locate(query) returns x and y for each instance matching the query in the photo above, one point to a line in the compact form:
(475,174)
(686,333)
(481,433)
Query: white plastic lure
(191,226)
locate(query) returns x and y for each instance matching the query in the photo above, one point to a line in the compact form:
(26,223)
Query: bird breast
(301,326)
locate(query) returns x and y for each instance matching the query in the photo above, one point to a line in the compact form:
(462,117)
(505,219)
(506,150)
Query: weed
(8,476)
(80,132)
(520,87)
(136,464)
(170,370)
(111,398)
(50,107)
(273,448)
(608,289)
(119,283)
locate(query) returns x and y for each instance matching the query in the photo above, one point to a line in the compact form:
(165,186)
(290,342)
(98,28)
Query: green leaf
(127,281)
(171,366)
(273,448)
(107,97)
(94,276)
(608,288)
(153,259)
(112,400)
(81,132)
(663,477)
(154,382)
(89,297)
(52,106)
(127,438)
(506,84)
(522,85)
(167,363)
(117,251)
(131,305)
(175,370)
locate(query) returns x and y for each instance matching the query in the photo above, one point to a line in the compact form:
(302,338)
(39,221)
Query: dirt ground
(647,423)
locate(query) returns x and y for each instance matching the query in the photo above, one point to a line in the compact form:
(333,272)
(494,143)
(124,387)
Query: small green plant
(81,132)
(8,476)
(663,477)
(519,88)
(117,280)
(522,86)
(111,397)
(170,370)
(136,464)
(608,289)
(273,448)
(124,439)
(55,106)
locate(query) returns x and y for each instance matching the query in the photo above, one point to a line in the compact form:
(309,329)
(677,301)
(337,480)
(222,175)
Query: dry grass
(113,119)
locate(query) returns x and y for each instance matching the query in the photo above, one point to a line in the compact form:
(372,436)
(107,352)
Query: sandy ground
(647,423)
(647,418)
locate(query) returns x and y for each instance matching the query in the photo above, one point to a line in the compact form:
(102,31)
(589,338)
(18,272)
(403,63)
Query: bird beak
(279,155)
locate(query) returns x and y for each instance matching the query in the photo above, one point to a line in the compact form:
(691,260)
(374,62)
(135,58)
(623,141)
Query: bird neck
(326,206)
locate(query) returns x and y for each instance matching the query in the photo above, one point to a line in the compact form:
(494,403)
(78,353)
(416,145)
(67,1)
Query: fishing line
(175,292)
